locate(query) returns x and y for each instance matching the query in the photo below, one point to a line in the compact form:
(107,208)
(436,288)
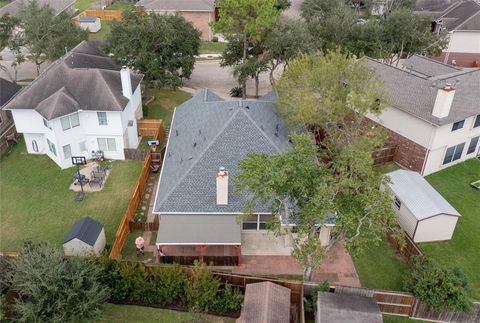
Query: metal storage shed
(92,24)
(421,211)
(340,308)
(87,237)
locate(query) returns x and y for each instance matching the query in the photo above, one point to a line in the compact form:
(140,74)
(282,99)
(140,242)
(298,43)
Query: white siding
(99,245)
(464,42)
(437,228)
(405,218)
(76,247)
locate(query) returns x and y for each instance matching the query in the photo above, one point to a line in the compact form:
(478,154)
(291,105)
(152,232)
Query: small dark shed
(86,237)
(340,308)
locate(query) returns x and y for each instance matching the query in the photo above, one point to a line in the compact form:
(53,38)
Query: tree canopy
(162,47)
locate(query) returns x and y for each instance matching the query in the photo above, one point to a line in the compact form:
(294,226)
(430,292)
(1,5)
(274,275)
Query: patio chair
(95,182)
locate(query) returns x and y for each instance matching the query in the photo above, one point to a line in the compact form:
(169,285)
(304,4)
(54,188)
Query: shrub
(228,299)
(236,91)
(201,288)
(311,302)
(440,288)
(166,285)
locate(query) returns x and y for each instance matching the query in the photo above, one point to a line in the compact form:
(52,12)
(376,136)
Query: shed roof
(84,79)
(86,230)
(199,230)
(178,5)
(340,308)
(418,195)
(87,19)
(58,6)
(265,302)
(8,90)
(206,135)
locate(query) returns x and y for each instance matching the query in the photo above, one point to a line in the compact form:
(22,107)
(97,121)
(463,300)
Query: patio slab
(264,243)
(87,171)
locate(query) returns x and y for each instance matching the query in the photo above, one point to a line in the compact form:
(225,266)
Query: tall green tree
(162,47)
(247,20)
(53,289)
(311,184)
(47,36)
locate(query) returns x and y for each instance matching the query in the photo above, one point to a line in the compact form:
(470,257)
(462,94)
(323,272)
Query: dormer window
(458,125)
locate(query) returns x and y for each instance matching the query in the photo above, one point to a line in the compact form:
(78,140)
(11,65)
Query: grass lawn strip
(208,47)
(102,33)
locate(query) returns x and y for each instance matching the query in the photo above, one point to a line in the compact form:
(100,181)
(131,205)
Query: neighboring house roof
(462,15)
(8,90)
(339,308)
(418,195)
(197,230)
(84,79)
(178,5)
(433,5)
(14,7)
(206,135)
(414,92)
(88,19)
(265,302)
(86,230)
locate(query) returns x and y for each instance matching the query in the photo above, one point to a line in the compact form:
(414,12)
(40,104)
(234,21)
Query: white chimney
(222,186)
(443,102)
(126,82)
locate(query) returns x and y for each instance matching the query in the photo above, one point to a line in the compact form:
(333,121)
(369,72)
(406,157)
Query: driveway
(209,74)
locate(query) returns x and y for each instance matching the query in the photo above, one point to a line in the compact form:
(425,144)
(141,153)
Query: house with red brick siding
(199,12)
(433,113)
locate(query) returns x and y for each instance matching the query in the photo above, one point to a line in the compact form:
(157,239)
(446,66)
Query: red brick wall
(462,59)
(200,21)
(409,154)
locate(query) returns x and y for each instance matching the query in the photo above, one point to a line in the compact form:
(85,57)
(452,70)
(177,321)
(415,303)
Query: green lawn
(399,319)
(163,105)
(36,203)
(102,33)
(208,47)
(4,3)
(381,268)
(121,6)
(462,251)
(130,313)
(82,5)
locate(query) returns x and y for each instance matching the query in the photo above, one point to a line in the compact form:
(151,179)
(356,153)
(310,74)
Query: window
(102,118)
(35,146)
(51,147)
(107,144)
(453,153)
(83,146)
(70,121)
(477,122)
(46,124)
(473,145)
(67,151)
(458,125)
(397,203)
(250,223)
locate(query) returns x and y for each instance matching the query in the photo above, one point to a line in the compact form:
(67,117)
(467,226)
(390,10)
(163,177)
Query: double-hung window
(453,153)
(458,125)
(102,118)
(51,147)
(67,151)
(473,145)
(70,121)
(107,144)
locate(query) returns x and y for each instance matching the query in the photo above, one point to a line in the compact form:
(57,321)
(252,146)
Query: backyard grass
(131,313)
(462,251)
(4,3)
(209,47)
(381,268)
(36,203)
(121,6)
(399,319)
(387,168)
(164,104)
(102,33)
(82,5)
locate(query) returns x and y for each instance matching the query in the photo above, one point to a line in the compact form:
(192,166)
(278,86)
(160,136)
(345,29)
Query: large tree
(45,35)
(162,47)
(53,289)
(247,20)
(334,180)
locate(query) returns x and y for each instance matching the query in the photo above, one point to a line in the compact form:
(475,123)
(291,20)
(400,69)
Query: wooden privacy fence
(103,14)
(123,228)
(425,312)
(142,226)
(151,128)
(408,251)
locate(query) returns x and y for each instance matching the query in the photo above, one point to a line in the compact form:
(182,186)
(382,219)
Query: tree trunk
(37,63)
(256,85)
(245,47)
(307,273)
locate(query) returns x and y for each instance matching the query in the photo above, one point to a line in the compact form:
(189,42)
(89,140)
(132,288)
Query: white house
(92,24)
(86,238)
(421,211)
(433,117)
(82,103)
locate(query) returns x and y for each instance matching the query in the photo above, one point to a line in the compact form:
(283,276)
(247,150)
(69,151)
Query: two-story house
(433,117)
(82,103)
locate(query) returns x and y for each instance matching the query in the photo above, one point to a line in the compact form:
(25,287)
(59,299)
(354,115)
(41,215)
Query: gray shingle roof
(456,16)
(87,19)
(265,302)
(207,135)
(86,230)
(58,6)
(429,67)
(7,90)
(339,308)
(415,93)
(178,5)
(433,5)
(418,195)
(84,79)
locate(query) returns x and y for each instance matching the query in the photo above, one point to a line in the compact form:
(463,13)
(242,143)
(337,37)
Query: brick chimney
(222,186)
(443,102)
(126,82)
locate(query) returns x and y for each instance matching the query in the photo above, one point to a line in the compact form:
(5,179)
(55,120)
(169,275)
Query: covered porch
(213,239)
